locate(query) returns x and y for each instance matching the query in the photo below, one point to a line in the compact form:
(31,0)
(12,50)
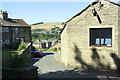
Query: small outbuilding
(91,39)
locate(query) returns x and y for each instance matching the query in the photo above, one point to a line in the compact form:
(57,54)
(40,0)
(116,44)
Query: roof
(46,41)
(37,42)
(14,22)
(93,3)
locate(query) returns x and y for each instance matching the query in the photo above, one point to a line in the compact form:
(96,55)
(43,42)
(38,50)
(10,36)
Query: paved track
(49,68)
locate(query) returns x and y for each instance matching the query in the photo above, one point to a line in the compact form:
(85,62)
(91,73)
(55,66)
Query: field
(47,26)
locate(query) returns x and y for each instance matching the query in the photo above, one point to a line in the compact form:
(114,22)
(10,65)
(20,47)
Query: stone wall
(27,54)
(76,51)
(26,73)
(6,35)
(119,31)
(11,35)
(23,32)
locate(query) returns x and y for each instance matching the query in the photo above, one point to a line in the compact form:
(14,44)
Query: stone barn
(91,38)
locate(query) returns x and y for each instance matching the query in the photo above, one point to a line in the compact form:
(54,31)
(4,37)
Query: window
(0,42)
(101,37)
(23,39)
(5,29)
(17,40)
(16,30)
(7,41)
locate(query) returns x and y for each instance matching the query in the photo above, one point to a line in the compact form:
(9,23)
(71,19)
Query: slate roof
(13,22)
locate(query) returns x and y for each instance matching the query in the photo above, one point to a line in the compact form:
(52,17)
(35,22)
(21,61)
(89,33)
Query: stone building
(37,44)
(91,39)
(13,31)
(45,44)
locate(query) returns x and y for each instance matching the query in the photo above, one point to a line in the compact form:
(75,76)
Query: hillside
(47,26)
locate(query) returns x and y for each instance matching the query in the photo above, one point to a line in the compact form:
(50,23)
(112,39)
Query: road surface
(49,68)
(48,64)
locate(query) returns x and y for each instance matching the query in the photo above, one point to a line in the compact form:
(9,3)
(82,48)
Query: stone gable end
(75,38)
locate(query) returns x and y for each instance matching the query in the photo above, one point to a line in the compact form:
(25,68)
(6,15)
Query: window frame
(17,40)
(17,30)
(5,29)
(100,45)
(7,41)
(23,39)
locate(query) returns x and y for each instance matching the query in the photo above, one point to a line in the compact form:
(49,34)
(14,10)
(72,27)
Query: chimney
(4,15)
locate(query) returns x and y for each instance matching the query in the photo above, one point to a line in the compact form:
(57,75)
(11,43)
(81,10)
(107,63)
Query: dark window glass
(101,36)
(16,30)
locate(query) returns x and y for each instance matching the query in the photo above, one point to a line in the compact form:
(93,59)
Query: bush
(22,46)
(59,49)
(17,61)
(53,49)
(44,49)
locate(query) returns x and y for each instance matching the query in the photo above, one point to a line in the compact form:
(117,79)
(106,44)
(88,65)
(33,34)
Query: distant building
(13,31)
(48,43)
(37,44)
(45,44)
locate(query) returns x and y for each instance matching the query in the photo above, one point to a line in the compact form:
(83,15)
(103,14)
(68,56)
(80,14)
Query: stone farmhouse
(91,39)
(13,31)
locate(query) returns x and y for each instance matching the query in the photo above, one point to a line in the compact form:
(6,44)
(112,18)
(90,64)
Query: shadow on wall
(78,57)
(116,60)
(97,59)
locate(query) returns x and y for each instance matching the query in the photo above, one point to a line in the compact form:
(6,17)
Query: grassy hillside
(47,26)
